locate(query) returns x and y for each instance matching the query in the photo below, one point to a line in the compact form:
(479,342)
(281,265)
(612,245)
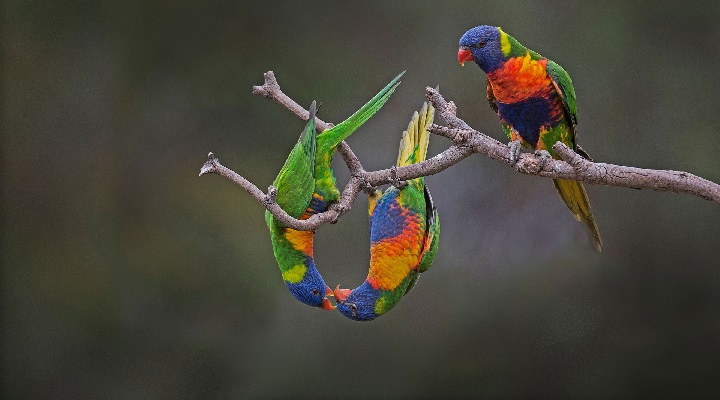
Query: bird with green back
(535,101)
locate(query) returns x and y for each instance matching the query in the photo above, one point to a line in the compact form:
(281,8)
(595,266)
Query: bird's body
(293,249)
(306,186)
(404,234)
(535,101)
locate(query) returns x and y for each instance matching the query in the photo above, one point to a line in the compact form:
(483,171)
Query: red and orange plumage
(535,101)
(404,234)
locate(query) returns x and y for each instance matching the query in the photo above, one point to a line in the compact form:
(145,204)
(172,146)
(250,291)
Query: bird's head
(310,288)
(357,304)
(483,44)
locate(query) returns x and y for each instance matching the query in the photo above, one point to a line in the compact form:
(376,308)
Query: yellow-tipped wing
(415,140)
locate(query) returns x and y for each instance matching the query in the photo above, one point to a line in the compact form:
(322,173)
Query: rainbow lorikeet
(294,249)
(404,234)
(305,186)
(535,100)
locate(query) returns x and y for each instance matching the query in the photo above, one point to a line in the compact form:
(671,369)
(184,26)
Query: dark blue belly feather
(527,117)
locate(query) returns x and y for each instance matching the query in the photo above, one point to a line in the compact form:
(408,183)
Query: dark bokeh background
(127,276)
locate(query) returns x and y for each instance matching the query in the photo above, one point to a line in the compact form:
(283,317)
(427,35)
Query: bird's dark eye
(481,44)
(353,308)
(315,292)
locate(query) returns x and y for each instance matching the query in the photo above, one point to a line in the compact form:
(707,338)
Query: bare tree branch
(573,166)
(466,142)
(271,90)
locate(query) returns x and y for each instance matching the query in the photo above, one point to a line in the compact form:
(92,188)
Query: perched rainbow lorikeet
(404,234)
(535,100)
(305,186)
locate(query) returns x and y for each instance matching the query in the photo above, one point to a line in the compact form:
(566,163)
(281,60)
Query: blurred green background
(126,276)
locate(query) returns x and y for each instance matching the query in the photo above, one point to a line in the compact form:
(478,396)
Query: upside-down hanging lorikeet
(404,234)
(535,100)
(293,249)
(305,186)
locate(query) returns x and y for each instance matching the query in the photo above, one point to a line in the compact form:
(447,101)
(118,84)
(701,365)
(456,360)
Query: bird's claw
(394,179)
(515,148)
(544,157)
(271,196)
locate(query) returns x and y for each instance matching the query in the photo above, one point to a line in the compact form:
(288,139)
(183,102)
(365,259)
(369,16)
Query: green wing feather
(331,138)
(432,234)
(573,193)
(432,240)
(564,88)
(295,183)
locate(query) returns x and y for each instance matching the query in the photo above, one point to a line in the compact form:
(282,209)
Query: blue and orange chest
(396,241)
(526,97)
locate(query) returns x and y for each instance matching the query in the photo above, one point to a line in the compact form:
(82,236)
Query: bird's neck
(293,251)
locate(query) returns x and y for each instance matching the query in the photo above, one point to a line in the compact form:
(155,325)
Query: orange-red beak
(342,294)
(464,55)
(327,305)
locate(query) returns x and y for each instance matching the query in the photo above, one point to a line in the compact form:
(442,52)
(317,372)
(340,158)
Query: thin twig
(271,90)
(213,166)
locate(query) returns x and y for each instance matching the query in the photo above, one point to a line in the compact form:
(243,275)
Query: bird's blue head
(358,304)
(486,45)
(310,288)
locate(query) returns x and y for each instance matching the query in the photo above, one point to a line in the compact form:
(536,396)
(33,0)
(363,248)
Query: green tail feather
(331,138)
(328,140)
(575,197)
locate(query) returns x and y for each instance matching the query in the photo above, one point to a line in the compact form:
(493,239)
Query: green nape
(287,256)
(512,48)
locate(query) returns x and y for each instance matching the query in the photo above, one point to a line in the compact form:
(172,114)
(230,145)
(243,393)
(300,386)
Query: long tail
(328,140)
(326,190)
(576,199)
